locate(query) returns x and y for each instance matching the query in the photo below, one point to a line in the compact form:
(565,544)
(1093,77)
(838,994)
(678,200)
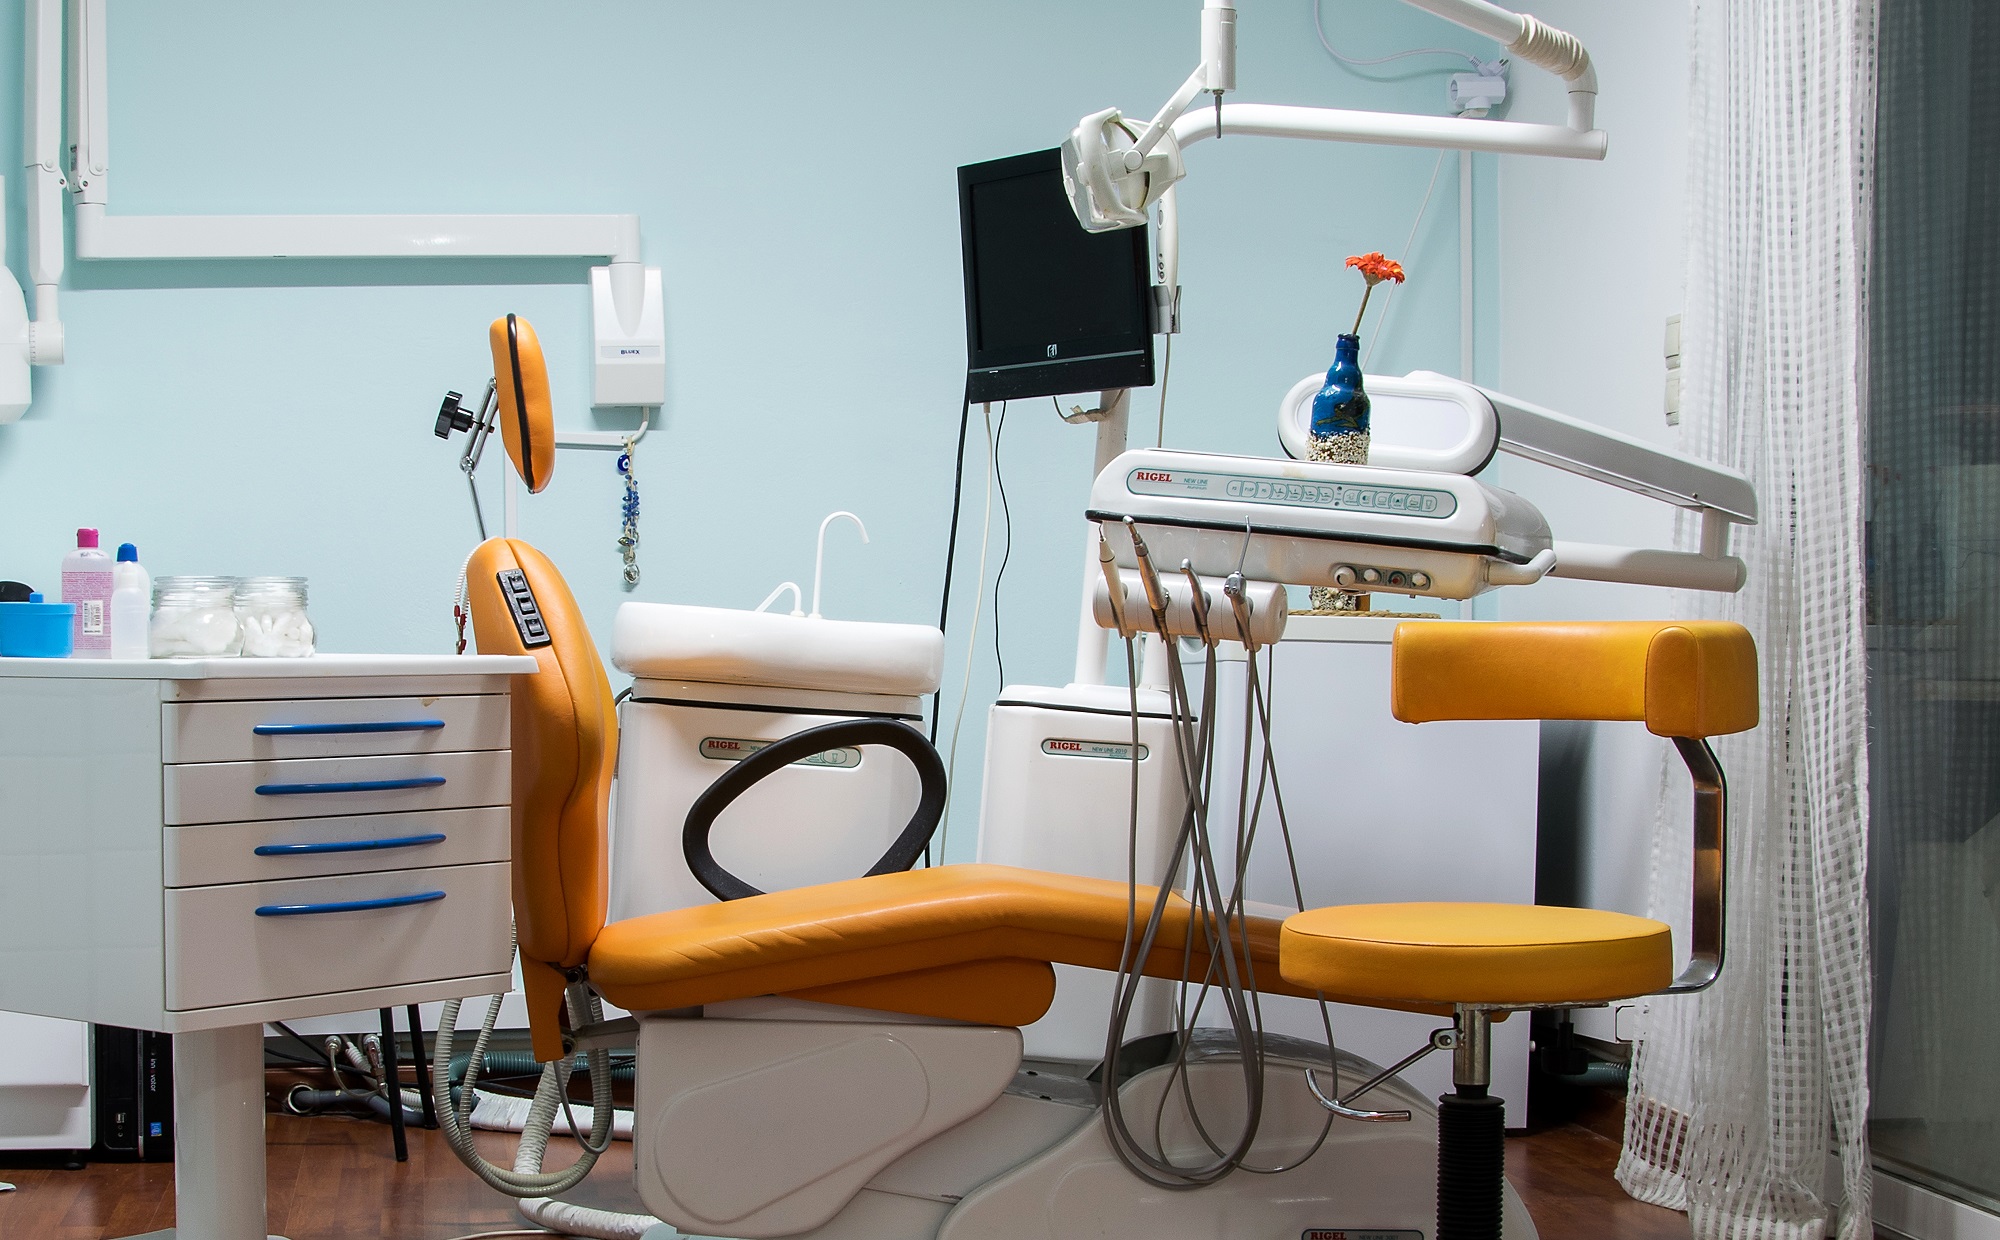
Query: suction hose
(562,1217)
(550,1096)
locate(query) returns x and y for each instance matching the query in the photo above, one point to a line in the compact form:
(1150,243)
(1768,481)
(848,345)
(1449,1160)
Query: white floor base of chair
(218,1136)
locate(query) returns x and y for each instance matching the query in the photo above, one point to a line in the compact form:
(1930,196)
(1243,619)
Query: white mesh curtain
(1739,1095)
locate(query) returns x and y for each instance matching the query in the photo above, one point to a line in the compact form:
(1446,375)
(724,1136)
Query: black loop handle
(778,755)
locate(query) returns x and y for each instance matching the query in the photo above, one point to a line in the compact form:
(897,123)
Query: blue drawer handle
(347,906)
(351,785)
(341,846)
(330,729)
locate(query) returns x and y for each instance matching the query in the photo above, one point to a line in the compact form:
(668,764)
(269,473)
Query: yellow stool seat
(1487,954)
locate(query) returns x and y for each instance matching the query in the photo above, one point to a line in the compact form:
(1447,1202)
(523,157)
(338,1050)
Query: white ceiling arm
(91,159)
(1114,176)
(1273,120)
(1534,41)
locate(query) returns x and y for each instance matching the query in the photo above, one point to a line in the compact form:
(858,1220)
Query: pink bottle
(86,581)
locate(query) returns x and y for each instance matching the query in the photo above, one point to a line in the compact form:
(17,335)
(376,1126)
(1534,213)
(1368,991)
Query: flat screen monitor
(1049,308)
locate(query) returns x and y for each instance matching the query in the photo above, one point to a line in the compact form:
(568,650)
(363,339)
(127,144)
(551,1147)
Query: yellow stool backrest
(565,741)
(1688,678)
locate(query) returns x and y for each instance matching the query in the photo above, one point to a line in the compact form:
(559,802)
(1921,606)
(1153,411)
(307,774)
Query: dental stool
(1687,681)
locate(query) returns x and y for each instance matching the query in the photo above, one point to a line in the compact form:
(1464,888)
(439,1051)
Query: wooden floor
(335,1179)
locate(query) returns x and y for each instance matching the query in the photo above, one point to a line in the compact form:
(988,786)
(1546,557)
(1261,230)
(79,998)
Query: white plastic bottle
(131,604)
(86,581)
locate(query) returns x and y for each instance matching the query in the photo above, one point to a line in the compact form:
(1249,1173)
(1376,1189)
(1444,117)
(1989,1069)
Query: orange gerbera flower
(1374,268)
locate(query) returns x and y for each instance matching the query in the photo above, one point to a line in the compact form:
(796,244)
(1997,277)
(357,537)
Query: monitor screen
(1049,308)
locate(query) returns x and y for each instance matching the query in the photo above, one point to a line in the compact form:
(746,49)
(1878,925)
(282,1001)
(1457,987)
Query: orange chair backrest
(565,740)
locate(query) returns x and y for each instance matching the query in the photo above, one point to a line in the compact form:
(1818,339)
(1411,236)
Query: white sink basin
(722,645)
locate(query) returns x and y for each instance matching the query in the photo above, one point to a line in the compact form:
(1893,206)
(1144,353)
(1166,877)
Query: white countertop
(318,665)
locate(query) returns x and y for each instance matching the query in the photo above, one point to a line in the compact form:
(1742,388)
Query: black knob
(450,417)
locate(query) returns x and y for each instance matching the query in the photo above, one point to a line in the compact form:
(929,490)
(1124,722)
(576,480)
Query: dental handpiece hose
(1211,909)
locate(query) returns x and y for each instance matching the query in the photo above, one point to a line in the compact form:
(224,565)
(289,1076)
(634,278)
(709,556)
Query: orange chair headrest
(521,382)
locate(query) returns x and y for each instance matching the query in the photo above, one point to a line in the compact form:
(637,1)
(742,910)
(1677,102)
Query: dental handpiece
(1239,603)
(1149,577)
(1198,603)
(1114,584)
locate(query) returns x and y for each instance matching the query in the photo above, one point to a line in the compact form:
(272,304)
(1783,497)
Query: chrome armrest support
(1711,812)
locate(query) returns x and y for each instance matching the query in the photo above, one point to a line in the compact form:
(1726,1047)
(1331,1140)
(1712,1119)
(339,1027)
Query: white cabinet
(200,846)
(1380,812)
(189,844)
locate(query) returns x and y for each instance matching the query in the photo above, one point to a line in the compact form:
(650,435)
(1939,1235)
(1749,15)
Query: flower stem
(1364,308)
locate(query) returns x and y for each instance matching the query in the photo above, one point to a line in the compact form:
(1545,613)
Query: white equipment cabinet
(1380,812)
(44,1083)
(1058,784)
(199,846)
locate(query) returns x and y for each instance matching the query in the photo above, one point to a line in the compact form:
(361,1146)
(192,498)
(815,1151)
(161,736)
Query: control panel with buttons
(521,605)
(1350,576)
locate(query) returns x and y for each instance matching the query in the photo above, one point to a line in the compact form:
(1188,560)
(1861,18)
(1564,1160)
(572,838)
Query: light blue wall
(793,165)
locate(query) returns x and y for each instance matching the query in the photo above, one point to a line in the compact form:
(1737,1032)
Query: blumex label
(735,749)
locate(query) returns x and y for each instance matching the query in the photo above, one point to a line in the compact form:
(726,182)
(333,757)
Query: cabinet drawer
(324,787)
(250,852)
(331,727)
(252,942)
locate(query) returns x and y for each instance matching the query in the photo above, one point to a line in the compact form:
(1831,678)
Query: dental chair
(845,1060)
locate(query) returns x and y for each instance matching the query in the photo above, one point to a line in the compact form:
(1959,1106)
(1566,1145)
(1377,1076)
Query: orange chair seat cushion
(1503,954)
(872,940)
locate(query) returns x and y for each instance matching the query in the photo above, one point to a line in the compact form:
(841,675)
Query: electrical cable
(1389,302)
(1166,375)
(972,638)
(1006,546)
(950,557)
(951,549)
(1319,29)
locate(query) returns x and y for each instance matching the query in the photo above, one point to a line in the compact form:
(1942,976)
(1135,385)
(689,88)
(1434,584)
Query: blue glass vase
(1341,407)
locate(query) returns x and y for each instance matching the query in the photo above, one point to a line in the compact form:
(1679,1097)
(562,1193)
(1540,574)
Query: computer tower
(134,1092)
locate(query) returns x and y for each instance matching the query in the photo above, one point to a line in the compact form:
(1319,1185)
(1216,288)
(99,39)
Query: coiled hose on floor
(526,1181)
(551,1095)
